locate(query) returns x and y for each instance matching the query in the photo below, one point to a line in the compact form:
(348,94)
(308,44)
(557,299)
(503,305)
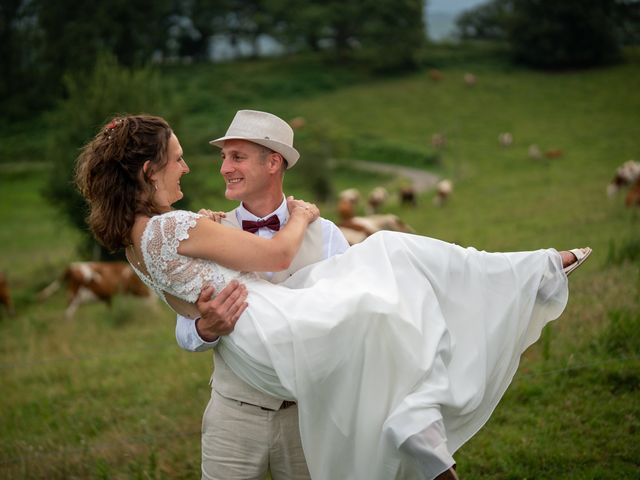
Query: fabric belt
(283,405)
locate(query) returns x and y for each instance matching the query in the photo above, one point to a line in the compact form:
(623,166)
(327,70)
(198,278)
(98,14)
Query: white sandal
(581,255)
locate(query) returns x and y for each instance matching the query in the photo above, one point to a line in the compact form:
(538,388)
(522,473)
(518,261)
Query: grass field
(110,395)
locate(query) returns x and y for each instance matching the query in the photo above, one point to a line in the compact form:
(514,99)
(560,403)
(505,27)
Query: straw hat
(264,129)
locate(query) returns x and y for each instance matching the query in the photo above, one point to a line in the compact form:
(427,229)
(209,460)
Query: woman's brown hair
(109,174)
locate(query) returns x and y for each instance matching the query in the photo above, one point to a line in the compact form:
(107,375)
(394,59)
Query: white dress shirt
(333,243)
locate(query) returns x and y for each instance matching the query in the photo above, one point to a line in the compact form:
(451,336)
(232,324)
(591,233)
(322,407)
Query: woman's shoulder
(175,216)
(174,222)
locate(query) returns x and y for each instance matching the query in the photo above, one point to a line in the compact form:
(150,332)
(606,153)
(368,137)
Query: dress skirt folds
(396,351)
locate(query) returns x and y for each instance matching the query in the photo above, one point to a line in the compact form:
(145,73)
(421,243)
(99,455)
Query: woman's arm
(245,251)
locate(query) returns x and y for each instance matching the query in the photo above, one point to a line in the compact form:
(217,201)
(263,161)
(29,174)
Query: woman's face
(167,180)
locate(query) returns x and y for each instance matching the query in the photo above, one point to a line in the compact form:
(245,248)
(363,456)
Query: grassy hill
(110,395)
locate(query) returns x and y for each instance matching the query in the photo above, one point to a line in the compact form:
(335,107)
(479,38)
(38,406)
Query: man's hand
(218,316)
(215,216)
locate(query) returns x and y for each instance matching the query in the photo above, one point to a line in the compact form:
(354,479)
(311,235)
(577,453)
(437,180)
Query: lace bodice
(171,273)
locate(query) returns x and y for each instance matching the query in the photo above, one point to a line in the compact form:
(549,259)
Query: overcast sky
(452,6)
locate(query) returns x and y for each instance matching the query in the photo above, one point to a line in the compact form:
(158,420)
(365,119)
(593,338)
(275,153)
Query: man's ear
(276,161)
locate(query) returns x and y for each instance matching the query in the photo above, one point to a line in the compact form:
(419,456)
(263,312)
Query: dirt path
(421,179)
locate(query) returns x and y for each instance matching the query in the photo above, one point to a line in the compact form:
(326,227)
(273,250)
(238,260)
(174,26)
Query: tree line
(41,41)
(553,34)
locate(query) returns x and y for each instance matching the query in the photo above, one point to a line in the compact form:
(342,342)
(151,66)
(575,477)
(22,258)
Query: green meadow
(109,394)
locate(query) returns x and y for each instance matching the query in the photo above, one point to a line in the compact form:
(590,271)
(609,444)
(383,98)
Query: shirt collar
(282,212)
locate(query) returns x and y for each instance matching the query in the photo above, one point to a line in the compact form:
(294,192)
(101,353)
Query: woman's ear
(147,169)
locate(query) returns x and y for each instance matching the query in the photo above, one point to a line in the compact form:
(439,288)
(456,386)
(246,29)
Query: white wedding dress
(396,351)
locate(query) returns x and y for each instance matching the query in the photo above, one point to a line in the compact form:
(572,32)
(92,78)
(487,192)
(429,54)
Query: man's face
(245,170)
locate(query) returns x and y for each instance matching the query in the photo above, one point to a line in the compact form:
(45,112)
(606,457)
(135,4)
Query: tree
(41,41)
(22,85)
(552,34)
(384,34)
(628,21)
(566,34)
(392,33)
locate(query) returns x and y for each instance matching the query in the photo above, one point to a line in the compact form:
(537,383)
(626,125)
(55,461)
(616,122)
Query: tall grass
(110,395)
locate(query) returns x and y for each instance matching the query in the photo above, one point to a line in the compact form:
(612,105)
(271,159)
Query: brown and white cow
(633,195)
(96,281)
(626,174)
(376,199)
(356,229)
(444,188)
(5,295)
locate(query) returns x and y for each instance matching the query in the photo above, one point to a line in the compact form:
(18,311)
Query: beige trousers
(244,442)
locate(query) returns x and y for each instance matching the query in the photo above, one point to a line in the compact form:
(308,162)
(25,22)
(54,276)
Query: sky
(441,16)
(452,6)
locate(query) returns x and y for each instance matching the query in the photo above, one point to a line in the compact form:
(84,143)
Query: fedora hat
(264,129)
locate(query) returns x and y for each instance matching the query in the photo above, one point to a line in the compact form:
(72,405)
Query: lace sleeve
(162,237)
(181,276)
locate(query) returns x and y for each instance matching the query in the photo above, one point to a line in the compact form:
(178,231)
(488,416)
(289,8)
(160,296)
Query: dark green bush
(569,34)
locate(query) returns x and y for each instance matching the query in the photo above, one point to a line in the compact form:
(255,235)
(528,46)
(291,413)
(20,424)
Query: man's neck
(263,206)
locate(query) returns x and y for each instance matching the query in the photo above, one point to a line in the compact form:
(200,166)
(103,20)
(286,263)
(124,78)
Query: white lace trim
(181,276)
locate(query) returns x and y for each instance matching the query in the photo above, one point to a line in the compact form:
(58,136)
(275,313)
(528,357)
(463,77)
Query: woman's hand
(307,210)
(215,216)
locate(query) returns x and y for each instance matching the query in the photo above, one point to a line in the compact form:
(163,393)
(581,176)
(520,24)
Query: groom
(246,433)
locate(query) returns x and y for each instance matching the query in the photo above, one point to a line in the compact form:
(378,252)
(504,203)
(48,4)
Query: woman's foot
(572,259)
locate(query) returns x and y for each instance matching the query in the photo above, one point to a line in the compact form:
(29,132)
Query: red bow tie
(272,223)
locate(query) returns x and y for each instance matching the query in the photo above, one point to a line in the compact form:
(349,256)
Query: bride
(396,351)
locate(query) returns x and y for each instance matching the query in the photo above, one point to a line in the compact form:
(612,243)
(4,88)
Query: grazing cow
(633,195)
(96,281)
(626,174)
(357,229)
(435,75)
(505,139)
(5,295)
(438,140)
(297,122)
(534,152)
(554,153)
(347,203)
(352,195)
(353,236)
(408,195)
(443,192)
(470,79)
(377,198)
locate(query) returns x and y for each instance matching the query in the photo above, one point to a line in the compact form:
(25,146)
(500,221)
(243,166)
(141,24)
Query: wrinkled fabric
(397,351)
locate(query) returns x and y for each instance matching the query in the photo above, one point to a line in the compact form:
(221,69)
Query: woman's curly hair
(109,174)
